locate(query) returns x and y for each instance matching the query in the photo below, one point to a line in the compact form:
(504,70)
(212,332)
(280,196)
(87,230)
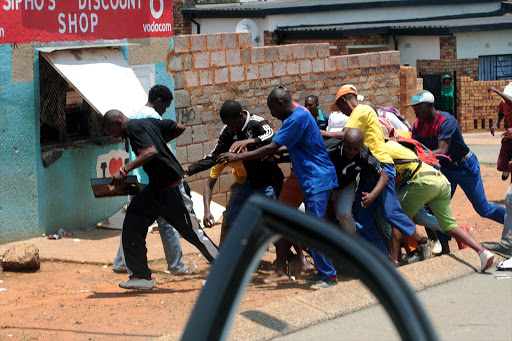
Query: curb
(266,323)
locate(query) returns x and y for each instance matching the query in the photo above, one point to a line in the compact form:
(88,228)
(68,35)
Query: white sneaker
(137,283)
(437,247)
(486,258)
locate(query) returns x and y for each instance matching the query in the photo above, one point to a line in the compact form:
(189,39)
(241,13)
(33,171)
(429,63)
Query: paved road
(476,307)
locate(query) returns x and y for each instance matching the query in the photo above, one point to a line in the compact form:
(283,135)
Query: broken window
(65,117)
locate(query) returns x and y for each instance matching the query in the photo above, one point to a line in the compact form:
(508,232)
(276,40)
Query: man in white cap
(440,132)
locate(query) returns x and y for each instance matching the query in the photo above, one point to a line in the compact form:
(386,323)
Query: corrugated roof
(449,25)
(263,8)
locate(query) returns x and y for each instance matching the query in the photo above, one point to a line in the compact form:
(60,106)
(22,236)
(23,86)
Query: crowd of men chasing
(363,167)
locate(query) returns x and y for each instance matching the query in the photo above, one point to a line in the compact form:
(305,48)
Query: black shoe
(504,176)
(498,248)
(329,282)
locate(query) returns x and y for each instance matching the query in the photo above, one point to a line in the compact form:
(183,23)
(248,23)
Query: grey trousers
(506,237)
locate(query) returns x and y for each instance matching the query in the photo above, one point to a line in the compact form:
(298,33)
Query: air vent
(487,45)
(407,45)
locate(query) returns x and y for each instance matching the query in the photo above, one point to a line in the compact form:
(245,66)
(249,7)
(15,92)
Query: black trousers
(175,206)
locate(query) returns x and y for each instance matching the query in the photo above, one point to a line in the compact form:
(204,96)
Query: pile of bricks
(209,69)
(477,108)
(448,61)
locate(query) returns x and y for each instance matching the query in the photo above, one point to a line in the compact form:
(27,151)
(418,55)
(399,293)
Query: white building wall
(209,26)
(270,23)
(377,14)
(474,44)
(418,47)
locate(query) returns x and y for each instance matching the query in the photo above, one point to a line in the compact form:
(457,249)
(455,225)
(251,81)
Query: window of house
(491,68)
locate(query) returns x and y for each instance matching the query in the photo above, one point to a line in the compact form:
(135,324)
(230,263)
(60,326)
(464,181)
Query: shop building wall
(18,169)
(39,200)
(475,104)
(448,61)
(209,69)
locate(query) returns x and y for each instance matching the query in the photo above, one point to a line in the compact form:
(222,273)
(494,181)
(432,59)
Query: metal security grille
(491,68)
(62,124)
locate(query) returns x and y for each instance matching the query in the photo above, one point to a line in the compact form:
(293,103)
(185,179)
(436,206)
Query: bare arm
(507,98)
(442,147)
(368,198)
(256,154)
(144,157)
(495,126)
(328,134)
(180,128)
(239,146)
(208,219)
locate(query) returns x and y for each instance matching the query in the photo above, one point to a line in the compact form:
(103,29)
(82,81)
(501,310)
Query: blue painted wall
(18,170)
(34,199)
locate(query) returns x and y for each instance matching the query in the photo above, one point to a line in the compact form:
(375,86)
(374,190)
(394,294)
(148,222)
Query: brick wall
(209,69)
(341,44)
(448,61)
(475,105)
(181,25)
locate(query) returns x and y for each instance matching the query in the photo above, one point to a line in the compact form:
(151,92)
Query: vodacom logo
(156,14)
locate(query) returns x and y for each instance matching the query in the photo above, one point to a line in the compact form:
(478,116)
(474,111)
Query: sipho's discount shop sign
(23,21)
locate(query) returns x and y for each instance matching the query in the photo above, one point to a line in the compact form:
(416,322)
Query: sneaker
(426,249)
(119,269)
(137,283)
(486,258)
(498,248)
(184,272)
(329,282)
(412,257)
(438,248)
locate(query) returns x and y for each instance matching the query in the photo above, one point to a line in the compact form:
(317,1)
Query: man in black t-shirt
(350,158)
(165,195)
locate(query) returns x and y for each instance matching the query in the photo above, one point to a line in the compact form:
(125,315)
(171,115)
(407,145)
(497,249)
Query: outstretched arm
(507,98)
(328,134)
(256,154)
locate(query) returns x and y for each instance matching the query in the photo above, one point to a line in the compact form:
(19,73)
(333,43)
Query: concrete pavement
(476,307)
(296,313)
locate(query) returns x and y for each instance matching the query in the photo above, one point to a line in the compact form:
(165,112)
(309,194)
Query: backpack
(424,155)
(393,111)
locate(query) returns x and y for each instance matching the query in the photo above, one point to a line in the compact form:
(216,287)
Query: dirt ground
(70,301)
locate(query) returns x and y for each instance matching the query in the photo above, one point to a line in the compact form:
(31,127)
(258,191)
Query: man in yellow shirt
(240,176)
(429,186)
(364,118)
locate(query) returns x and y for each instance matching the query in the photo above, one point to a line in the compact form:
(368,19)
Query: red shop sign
(23,21)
